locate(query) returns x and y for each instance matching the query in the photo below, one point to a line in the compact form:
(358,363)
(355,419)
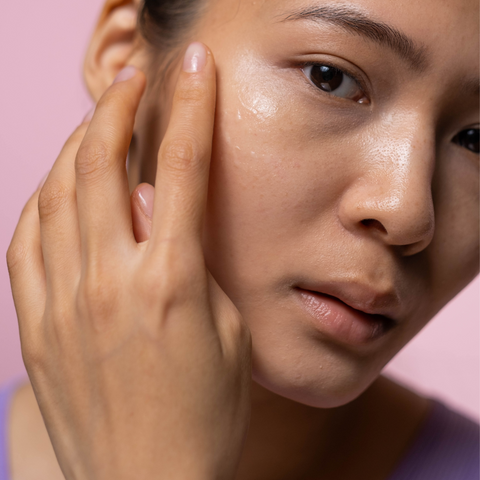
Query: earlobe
(112,45)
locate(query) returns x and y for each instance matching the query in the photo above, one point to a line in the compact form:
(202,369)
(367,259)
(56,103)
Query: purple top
(445,448)
(6,393)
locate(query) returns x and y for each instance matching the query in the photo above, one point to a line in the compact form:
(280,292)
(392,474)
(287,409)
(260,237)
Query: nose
(392,198)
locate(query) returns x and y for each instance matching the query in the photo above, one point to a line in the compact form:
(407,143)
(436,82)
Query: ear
(113,45)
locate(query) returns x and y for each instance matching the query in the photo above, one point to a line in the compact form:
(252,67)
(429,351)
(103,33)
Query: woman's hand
(140,363)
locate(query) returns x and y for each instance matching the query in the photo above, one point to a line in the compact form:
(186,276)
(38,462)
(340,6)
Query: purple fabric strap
(446,448)
(6,394)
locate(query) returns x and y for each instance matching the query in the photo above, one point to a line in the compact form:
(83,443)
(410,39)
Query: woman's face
(361,186)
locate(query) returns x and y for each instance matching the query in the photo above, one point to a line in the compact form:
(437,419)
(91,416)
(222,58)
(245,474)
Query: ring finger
(59,220)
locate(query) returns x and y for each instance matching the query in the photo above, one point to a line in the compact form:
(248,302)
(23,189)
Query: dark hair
(166,23)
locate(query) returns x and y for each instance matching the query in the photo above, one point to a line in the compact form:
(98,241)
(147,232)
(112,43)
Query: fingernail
(125,74)
(89,115)
(195,58)
(146,196)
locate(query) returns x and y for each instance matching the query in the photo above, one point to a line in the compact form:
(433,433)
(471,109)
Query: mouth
(344,323)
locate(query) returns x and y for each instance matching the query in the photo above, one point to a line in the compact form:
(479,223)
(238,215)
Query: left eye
(332,80)
(468,139)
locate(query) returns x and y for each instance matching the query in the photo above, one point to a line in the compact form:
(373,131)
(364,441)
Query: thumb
(142,210)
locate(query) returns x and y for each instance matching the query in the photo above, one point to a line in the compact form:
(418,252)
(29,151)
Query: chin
(325,380)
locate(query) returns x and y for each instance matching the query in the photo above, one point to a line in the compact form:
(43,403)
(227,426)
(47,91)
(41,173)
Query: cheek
(275,179)
(281,158)
(263,161)
(257,182)
(454,252)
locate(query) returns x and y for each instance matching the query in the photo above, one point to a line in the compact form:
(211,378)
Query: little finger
(26,268)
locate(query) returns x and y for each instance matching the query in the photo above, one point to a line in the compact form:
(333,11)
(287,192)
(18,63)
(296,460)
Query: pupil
(469,139)
(326,78)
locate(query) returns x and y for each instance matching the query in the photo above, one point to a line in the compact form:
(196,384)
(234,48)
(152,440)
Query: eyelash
(361,85)
(458,141)
(352,75)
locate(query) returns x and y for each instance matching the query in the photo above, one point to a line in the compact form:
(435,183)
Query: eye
(334,81)
(468,139)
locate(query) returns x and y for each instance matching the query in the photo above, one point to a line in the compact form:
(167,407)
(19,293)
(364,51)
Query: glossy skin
(140,364)
(310,188)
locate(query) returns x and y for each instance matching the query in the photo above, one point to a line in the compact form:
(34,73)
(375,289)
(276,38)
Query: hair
(165,24)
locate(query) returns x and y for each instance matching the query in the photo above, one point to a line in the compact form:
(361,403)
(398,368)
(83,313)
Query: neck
(288,440)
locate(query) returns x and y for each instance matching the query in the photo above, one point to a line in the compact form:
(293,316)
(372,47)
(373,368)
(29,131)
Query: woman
(315,204)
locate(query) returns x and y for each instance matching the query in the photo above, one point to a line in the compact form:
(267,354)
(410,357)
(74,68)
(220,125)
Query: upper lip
(362,297)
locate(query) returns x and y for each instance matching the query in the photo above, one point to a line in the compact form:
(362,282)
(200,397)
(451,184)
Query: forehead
(426,19)
(446,28)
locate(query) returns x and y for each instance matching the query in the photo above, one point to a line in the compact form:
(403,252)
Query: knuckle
(191,94)
(93,160)
(33,355)
(175,283)
(53,197)
(98,299)
(113,99)
(180,154)
(17,254)
(156,284)
(60,318)
(149,289)
(177,268)
(167,278)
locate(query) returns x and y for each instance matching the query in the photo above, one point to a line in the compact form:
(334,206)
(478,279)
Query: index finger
(184,156)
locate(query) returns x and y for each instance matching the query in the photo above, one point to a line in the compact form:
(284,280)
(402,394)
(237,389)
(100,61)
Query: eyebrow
(357,23)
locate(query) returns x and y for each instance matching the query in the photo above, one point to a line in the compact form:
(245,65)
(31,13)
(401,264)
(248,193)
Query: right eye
(468,139)
(334,81)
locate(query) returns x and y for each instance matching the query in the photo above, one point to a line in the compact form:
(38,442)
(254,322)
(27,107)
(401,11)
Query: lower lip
(337,320)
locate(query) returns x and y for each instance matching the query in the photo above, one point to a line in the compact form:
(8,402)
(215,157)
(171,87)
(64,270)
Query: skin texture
(309,188)
(372,195)
(165,341)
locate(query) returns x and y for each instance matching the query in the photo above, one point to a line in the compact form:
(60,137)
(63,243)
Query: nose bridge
(395,194)
(404,159)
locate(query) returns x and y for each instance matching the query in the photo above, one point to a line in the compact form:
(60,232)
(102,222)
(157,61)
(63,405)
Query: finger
(59,229)
(25,266)
(184,156)
(103,198)
(142,209)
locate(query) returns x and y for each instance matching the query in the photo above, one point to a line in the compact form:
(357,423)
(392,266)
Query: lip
(356,316)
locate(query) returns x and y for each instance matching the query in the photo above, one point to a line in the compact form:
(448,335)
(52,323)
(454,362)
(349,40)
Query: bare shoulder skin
(387,414)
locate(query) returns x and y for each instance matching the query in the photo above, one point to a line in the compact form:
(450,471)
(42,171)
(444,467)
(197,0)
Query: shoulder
(448,445)
(420,438)
(30,452)
(445,446)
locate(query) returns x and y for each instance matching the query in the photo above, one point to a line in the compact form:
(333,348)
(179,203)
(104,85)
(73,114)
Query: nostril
(372,223)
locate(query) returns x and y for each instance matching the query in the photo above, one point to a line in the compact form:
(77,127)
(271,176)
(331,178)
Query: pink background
(42,100)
